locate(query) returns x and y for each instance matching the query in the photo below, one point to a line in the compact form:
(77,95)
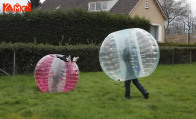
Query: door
(155,32)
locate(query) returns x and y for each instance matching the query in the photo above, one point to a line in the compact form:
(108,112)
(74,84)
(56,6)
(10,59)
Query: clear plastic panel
(129,54)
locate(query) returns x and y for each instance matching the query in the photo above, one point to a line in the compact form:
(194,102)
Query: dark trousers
(136,83)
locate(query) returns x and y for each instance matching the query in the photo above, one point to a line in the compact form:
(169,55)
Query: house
(149,9)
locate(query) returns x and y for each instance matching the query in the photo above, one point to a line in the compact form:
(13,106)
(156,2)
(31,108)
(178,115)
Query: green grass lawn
(172,91)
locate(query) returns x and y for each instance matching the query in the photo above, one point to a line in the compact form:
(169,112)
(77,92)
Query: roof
(161,9)
(64,4)
(124,6)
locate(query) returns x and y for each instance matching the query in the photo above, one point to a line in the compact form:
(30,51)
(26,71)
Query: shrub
(27,55)
(177,55)
(65,27)
(170,44)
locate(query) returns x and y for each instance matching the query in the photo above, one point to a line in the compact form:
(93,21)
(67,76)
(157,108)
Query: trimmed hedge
(177,55)
(171,44)
(65,27)
(27,56)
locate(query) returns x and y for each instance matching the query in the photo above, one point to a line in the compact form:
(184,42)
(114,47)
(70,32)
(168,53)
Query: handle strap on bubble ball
(68,59)
(62,57)
(75,59)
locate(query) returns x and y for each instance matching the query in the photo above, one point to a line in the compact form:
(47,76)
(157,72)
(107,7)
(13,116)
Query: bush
(65,27)
(170,44)
(177,55)
(27,55)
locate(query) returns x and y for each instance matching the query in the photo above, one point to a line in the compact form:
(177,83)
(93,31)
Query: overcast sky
(193,6)
(24,2)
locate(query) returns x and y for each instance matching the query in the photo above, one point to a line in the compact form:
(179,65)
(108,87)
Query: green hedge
(177,55)
(27,55)
(64,27)
(171,44)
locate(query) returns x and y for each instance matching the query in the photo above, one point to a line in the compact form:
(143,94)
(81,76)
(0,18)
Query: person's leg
(141,88)
(127,89)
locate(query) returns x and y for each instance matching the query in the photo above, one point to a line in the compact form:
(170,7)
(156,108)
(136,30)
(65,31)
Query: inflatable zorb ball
(53,74)
(129,54)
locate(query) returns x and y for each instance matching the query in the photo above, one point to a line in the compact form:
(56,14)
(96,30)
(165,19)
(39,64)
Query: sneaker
(146,95)
(128,97)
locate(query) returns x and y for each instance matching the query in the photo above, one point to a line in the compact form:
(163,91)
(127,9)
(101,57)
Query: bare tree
(174,9)
(189,24)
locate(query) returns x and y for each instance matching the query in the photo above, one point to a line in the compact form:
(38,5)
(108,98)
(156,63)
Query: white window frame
(96,6)
(159,32)
(95,3)
(147,5)
(102,3)
(89,6)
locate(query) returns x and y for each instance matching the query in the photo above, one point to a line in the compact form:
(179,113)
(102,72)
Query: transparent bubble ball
(129,54)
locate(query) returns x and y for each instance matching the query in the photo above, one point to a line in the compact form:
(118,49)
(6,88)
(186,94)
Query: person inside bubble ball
(139,87)
(127,56)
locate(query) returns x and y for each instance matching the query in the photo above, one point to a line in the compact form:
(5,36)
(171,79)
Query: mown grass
(171,87)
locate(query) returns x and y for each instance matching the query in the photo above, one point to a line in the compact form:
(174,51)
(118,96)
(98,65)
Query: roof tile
(124,6)
(64,4)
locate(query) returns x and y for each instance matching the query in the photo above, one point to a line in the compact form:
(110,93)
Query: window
(92,6)
(104,5)
(147,4)
(98,6)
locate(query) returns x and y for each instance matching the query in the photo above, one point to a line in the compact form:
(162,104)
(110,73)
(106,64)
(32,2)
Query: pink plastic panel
(72,75)
(42,72)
